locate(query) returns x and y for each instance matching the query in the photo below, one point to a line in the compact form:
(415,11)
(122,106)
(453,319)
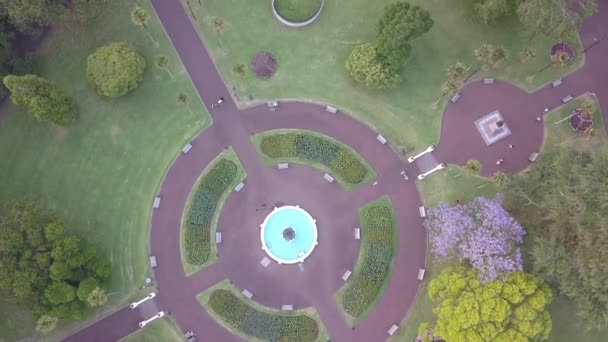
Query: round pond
(288,234)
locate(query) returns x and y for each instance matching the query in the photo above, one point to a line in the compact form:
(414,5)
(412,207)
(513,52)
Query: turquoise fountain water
(289,234)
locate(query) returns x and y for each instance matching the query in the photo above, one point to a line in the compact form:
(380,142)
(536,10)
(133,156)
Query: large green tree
(513,310)
(570,245)
(367,68)
(400,23)
(26,13)
(489,11)
(45,269)
(115,69)
(42,98)
(555,18)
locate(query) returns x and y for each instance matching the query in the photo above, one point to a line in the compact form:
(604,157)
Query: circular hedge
(581,121)
(297,10)
(264,64)
(561,53)
(115,69)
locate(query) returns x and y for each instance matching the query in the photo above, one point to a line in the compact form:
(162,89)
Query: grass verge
(370,174)
(229,154)
(203,299)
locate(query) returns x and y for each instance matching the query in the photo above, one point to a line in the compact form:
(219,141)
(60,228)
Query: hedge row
(374,271)
(316,149)
(202,209)
(261,325)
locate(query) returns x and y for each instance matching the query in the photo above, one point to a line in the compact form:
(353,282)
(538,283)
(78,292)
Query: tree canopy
(45,269)
(366,68)
(26,13)
(481,232)
(513,310)
(570,245)
(400,23)
(115,69)
(42,98)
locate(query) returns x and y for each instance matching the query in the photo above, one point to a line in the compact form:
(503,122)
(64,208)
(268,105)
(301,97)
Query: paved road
(240,253)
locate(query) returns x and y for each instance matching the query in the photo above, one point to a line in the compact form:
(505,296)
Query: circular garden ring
(293,19)
(564,51)
(264,64)
(581,121)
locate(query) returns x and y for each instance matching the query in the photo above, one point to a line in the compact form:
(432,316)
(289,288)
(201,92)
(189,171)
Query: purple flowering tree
(481,232)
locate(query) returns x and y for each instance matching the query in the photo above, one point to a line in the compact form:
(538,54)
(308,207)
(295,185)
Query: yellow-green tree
(509,310)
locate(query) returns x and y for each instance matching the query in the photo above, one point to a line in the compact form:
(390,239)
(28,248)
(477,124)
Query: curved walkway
(266,187)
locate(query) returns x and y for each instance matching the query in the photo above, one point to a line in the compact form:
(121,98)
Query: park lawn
(453,184)
(229,154)
(310,60)
(257,140)
(15,322)
(100,175)
(297,10)
(203,299)
(363,251)
(161,330)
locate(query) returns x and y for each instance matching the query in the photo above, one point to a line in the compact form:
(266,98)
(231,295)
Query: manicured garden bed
(252,321)
(203,207)
(321,151)
(297,10)
(374,265)
(562,54)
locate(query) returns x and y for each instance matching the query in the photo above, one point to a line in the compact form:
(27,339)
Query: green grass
(297,10)
(310,61)
(15,322)
(363,252)
(453,184)
(229,154)
(101,175)
(257,139)
(161,330)
(203,299)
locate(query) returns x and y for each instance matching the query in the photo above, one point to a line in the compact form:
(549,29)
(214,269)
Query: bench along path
(315,282)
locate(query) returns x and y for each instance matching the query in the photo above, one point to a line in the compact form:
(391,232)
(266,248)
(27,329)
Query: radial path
(335,210)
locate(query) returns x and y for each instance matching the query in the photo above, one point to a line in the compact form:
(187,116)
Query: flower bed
(261,325)
(378,247)
(264,64)
(325,151)
(561,54)
(297,10)
(202,210)
(581,121)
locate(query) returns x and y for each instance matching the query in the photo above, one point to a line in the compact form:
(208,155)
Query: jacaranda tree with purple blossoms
(481,232)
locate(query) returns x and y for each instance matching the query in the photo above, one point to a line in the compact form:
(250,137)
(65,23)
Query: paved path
(240,253)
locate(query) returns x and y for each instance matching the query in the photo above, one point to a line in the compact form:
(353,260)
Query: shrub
(261,325)
(115,69)
(374,270)
(202,210)
(334,156)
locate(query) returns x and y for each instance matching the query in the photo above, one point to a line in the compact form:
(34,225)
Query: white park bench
(357,233)
(393,329)
(488,81)
(328,178)
(287,307)
(239,187)
(218,238)
(557,83)
(567,99)
(332,110)
(455,98)
(272,105)
(156,203)
(153,263)
(381,139)
(282,166)
(533,157)
(346,275)
(421,274)
(422,211)
(247,294)
(187,148)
